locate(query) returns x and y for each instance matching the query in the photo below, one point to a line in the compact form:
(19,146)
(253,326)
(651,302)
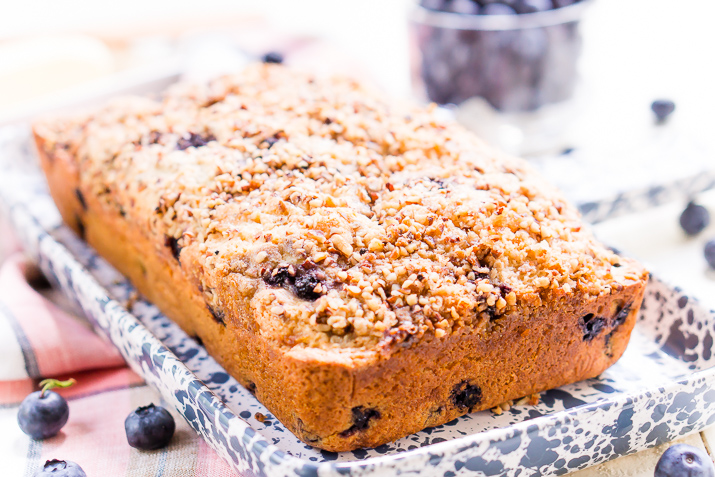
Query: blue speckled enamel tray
(660,389)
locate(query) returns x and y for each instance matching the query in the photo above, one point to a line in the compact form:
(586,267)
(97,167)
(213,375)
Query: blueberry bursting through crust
(173,244)
(193,140)
(592,325)
(466,395)
(301,281)
(361,420)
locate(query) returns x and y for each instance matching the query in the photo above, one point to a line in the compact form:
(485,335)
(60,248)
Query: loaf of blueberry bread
(366,269)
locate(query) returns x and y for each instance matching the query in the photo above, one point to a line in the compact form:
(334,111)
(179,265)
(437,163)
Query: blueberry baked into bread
(365,269)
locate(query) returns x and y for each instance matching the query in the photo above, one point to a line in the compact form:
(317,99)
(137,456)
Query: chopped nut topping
(384,222)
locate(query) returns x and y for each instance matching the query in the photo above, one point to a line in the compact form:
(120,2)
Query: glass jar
(507,67)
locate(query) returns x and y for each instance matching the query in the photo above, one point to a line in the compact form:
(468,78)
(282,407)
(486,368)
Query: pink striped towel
(40,340)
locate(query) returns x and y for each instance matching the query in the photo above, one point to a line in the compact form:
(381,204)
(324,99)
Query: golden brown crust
(358,390)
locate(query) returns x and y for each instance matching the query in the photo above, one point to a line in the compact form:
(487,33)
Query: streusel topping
(346,220)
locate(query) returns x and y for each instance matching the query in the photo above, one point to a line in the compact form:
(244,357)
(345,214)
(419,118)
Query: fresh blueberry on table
(497,9)
(682,460)
(272,57)
(61,468)
(43,413)
(694,218)
(149,427)
(662,108)
(533,6)
(710,253)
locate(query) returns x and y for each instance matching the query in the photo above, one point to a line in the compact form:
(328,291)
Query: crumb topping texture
(346,220)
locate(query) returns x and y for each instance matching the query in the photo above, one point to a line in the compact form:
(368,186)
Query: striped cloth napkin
(39,340)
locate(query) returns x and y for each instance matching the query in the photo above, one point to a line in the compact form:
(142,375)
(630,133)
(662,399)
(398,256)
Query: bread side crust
(318,394)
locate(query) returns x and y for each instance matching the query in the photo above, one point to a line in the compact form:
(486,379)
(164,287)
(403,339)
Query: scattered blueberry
(694,218)
(497,9)
(149,427)
(466,7)
(710,253)
(533,6)
(682,460)
(43,413)
(61,468)
(273,57)
(662,109)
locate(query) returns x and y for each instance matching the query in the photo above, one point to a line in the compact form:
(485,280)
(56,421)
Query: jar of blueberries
(517,56)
